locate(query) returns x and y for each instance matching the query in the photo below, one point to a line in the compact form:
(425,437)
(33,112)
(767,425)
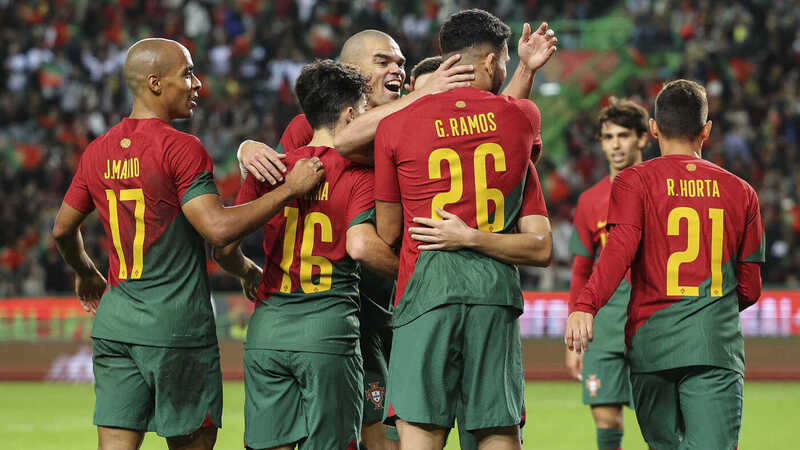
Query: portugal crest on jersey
(375,395)
(593,384)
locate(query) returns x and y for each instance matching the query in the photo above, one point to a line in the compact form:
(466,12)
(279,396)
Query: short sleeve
(531,112)
(532,198)
(361,206)
(296,135)
(78,195)
(191,169)
(753,246)
(627,199)
(388,190)
(581,241)
(249,191)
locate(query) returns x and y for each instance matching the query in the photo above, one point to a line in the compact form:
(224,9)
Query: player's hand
(579,331)
(89,288)
(261,161)
(575,364)
(450,233)
(536,48)
(306,174)
(409,87)
(250,282)
(448,76)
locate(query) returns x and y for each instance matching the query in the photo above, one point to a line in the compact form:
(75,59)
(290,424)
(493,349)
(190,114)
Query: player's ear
(490,63)
(653,128)
(349,114)
(153,83)
(706,131)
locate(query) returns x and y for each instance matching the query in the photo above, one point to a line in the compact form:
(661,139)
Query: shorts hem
(276,442)
(602,402)
(112,424)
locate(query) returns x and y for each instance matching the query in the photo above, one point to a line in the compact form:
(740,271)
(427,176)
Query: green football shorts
(313,399)
(457,360)
(172,391)
(375,372)
(606,378)
(689,407)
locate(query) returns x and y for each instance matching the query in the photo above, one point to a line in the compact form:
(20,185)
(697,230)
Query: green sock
(609,438)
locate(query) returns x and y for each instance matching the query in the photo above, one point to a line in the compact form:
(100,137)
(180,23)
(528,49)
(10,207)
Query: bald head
(360,45)
(152,56)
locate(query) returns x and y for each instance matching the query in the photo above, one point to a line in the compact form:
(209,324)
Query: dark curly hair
(324,88)
(470,28)
(681,109)
(427,65)
(624,113)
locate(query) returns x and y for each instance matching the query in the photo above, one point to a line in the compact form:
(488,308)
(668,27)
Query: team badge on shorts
(375,394)
(593,384)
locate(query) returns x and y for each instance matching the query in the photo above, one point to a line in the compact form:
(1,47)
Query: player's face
(499,75)
(384,63)
(622,146)
(181,87)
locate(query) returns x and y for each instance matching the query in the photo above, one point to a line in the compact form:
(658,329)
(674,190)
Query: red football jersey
(138,175)
(697,222)
(296,135)
(469,153)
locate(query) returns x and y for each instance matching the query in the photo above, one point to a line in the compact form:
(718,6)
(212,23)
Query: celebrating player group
(388,304)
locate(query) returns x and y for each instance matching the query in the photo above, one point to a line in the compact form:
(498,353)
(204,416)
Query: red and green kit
(137,176)
(589,236)
(692,235)
(468,152)
(309,292)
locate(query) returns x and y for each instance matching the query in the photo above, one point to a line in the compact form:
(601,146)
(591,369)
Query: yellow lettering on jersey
(454,127)
(464,127)
(490,118)
(670,187)
(700,188)
(684,188)
(121,169)
(692,184)
(715,192)
(439,125)
(474,127)
(321,193)
(693,188)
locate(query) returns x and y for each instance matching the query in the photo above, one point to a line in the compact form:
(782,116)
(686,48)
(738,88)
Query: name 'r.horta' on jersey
(121,169)
(466,125)
(693,188)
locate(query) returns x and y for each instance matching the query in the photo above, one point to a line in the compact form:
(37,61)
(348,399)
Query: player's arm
(532,245)
(222,225)
(354,141)
(534,50)
(390,222)
(233,261)
(261,160)
(89,282)
(365,246)
(748,270)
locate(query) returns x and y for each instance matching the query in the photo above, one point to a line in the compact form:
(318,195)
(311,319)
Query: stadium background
(62,87)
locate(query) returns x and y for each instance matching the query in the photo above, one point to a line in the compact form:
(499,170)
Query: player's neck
(680,147)
(143,111)
(323,137)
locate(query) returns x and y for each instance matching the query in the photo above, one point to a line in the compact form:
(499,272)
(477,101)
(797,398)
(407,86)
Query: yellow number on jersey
(693,249)
(125,195)
(483,193)
(307,259)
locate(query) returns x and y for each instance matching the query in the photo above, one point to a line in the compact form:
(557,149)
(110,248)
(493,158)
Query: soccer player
(421,73)
(470,154)
(156,360)
(691,234)
(622,131)
(377,55)
(303,366)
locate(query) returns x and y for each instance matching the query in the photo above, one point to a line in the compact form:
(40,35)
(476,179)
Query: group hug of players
(437,190)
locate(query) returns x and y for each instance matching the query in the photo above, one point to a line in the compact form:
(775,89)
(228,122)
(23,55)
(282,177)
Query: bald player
(156,359)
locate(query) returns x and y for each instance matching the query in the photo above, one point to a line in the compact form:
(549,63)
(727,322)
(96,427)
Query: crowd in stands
(60,65)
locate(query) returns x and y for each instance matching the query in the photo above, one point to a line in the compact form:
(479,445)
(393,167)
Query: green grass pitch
(59,416)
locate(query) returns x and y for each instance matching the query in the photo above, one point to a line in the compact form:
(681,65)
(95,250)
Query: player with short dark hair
(303,365)
(692,236)
(470,154)
(423,69)
(604,371)
(155,354)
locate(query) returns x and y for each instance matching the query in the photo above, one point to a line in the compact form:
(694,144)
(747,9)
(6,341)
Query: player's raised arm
(222,225)
(354,141)
(534,50)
